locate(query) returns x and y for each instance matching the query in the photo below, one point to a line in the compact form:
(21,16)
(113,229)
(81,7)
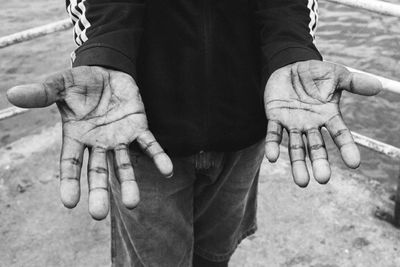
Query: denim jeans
(206,208)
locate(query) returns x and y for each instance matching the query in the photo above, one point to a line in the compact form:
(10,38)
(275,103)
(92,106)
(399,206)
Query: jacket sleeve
(287,29)
(107,32)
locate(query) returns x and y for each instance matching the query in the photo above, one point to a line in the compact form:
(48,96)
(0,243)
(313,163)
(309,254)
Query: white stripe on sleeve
(73,17)
(313,7)
(84,21)
(77,11)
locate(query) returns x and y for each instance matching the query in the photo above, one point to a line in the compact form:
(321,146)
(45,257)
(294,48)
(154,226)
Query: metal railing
(375,6)
(36,32)
(388,9)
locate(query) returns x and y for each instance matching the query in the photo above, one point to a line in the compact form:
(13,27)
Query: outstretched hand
(304,97)
(102,110)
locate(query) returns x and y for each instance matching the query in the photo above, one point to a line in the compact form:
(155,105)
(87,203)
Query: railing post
(396,221)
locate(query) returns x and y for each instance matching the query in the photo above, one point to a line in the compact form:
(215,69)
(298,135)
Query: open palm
(100,109)
(303,98)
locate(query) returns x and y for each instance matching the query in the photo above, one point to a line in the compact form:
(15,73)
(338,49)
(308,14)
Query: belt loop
(204,160)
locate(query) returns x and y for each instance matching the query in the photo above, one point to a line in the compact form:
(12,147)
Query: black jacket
(201,65)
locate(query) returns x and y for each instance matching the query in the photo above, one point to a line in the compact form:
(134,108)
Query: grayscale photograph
(200,133)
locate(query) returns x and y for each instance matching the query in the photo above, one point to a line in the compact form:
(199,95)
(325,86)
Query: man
(208,71)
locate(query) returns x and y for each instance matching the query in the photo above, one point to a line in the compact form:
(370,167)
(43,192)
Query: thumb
(359,83)
(38,95)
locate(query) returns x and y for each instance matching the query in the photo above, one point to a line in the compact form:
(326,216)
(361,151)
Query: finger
(153,149)
(273,140)
(126,177)
(38,95)
(358,83)
(343,139)
(98,183)
(297,158)
(318,156)
(70,167)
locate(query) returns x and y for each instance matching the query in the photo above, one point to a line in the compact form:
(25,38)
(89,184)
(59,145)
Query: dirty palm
(303,98)
(102,110)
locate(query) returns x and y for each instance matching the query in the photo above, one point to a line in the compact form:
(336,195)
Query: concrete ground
(339,224)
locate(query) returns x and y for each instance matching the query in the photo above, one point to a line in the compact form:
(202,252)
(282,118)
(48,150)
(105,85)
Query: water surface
(369,42)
